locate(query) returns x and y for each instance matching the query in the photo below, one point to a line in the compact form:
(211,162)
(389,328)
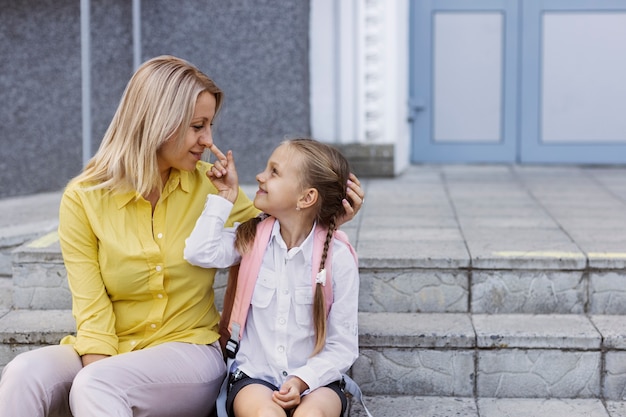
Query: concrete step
(416,406)
(11,238)
(503,355)
(24,219)
(22,330)
(442,355)
(39,282)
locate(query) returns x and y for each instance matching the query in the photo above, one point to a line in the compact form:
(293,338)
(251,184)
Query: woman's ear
(308,198)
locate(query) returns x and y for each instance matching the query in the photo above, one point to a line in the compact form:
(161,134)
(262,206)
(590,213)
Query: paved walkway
(495,217)
(483,216)
(451,216)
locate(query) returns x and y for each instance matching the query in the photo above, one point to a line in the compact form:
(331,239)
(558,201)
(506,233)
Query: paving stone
(553,331)
(613,330)
(39,327)
(395,371)
(607,292)
(41,285)
(414,290)
(415,330)
(6,293)
(616,408)
(492,407)
(410,253)
(538,373)
(410,406)
(615,376)
(522,291)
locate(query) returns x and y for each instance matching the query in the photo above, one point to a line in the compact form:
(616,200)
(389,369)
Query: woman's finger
(218,154)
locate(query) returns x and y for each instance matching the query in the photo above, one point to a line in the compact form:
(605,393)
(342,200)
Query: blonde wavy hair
(157,104)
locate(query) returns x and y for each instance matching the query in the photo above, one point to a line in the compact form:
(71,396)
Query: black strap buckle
(232,347)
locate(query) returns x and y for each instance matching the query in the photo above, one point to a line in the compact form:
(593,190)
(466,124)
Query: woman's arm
(91,306)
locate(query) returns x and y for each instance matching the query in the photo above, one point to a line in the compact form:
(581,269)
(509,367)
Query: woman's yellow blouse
(131,287)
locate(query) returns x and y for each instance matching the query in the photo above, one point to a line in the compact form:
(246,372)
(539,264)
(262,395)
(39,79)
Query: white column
(359,73)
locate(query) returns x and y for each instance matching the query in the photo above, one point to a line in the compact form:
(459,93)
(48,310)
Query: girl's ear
(308,198)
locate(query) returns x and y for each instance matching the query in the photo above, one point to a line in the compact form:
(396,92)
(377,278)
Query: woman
(147,324)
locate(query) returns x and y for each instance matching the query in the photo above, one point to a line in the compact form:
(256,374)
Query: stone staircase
(493,293)
(485,292)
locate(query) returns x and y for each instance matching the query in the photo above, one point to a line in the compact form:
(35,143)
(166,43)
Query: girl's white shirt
(279,337)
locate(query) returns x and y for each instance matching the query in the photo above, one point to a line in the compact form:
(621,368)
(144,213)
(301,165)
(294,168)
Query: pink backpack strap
(318,249)
(248,273)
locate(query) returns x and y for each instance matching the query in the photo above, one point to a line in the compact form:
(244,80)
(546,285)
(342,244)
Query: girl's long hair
(157,105)
(327,170)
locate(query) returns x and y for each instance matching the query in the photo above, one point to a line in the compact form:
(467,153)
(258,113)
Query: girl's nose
(259,177)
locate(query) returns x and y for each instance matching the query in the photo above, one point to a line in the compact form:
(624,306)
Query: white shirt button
(160,295)
(281,349)
(133,342)
(153,326)
(158,268)
(160,235)
(282,320)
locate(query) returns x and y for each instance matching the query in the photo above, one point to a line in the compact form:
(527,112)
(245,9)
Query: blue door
(537,81)
(573,85)
(464,74)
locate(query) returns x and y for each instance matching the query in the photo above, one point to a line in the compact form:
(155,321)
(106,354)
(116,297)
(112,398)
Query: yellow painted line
(609,255)
(539,254)
(44,241)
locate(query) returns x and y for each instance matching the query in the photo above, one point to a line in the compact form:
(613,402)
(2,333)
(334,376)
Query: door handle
(415,105)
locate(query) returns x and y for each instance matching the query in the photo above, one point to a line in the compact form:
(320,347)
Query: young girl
(295,345)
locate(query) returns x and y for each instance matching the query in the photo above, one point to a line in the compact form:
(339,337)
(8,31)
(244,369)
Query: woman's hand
(356,193)
(223,174)
(91,358)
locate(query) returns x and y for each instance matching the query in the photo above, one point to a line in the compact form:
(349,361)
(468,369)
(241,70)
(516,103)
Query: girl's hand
(223,174)
(288,396)
(356,193)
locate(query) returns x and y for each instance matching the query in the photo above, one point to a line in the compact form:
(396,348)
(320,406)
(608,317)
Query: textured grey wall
(256,51)
(39,95)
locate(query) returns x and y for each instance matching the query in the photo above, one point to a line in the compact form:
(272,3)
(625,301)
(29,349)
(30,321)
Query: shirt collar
(306,247)
(176,178)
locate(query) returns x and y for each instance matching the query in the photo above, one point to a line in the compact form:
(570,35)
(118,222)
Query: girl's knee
(310,412)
